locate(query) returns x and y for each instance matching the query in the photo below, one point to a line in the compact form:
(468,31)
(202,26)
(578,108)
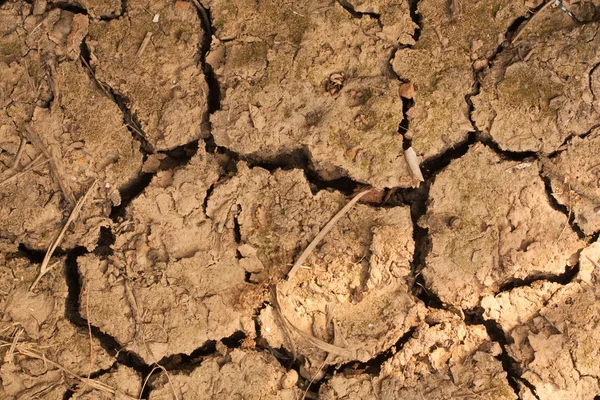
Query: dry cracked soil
(164,164)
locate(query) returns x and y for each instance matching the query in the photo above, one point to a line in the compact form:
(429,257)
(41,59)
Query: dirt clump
(490,222)
(446,360)
(555,346)
(39,320)
(542,90)
(59,132)
(287,83)
(457,38)
(240,373)
(149,58)
(354,292)
(575,178)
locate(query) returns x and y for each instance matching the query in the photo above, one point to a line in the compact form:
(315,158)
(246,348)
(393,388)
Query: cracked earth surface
(216,138)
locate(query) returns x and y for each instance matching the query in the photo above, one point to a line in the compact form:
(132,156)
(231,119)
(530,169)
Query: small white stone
(156,18)
(371,325)
(107,185)
(267,329)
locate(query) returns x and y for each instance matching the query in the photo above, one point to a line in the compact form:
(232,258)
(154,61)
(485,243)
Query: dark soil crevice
(563,209)
(72,314)
(416,17)
(129,118)
(348,6)
(496,334)
(566,277)
(373,366)
(214,91)
(65,6)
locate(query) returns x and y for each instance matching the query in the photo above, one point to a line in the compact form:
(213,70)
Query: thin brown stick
(144,44)
(35,139)
(29,352)
(282,319)
(320,344)
(8,358)
(310,248)
(30,167)
(19,154)
(44,268)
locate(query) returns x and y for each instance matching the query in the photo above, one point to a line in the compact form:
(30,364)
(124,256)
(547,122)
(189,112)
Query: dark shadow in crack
(496,334)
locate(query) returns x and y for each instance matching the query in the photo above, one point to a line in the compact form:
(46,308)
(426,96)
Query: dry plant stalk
(29,352)
(518,35)
(44,268)
(413,164)
(311,247)
(30,167)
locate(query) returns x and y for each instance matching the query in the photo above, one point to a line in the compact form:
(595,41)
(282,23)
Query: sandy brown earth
(165,164)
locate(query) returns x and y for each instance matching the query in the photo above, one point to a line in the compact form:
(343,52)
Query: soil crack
(496,334)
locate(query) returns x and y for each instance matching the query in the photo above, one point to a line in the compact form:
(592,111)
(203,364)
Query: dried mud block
(95,8)
(516,307)
(541,91)
(354,292)
(490,222)
(557,349)
(62,142)
(456,38)
(575,178)
(243,374)
(308,76)
(446,361)
(44,331)
(126,382)
(154,68)
(174,280)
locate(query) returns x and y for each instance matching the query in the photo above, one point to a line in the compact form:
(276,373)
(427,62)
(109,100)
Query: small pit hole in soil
(131,192)
(34,256)
(105,241)
(65,6)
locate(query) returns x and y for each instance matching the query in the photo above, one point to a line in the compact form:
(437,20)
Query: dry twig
(44,268)
(310,248)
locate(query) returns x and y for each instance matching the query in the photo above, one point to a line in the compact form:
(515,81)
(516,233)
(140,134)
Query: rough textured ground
(190,151)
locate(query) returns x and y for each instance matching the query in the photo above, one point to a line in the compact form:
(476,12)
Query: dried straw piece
(310,248)
(413,164)
(44,268)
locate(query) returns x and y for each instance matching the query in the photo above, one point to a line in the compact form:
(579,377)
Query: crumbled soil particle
(556,347)
(355,290)
(310,76)
(456,38)
(153,67)
(448,360)
(50,100)
(243,374)
(490,221)
(540,91)
(575,178)
(41,315)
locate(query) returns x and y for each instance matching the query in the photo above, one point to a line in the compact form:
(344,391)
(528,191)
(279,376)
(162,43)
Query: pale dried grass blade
(310,248)
(320,344)
(44,268)
(413,164)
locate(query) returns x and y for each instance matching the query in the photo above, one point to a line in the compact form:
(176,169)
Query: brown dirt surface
(339,199)
(446,360)
(240,374)
(542,91)
(553,331)
(298,89)
(454,40)
(153,68)
(82,133)
(354,291)
(490,222)
(575,178)
(40,318)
